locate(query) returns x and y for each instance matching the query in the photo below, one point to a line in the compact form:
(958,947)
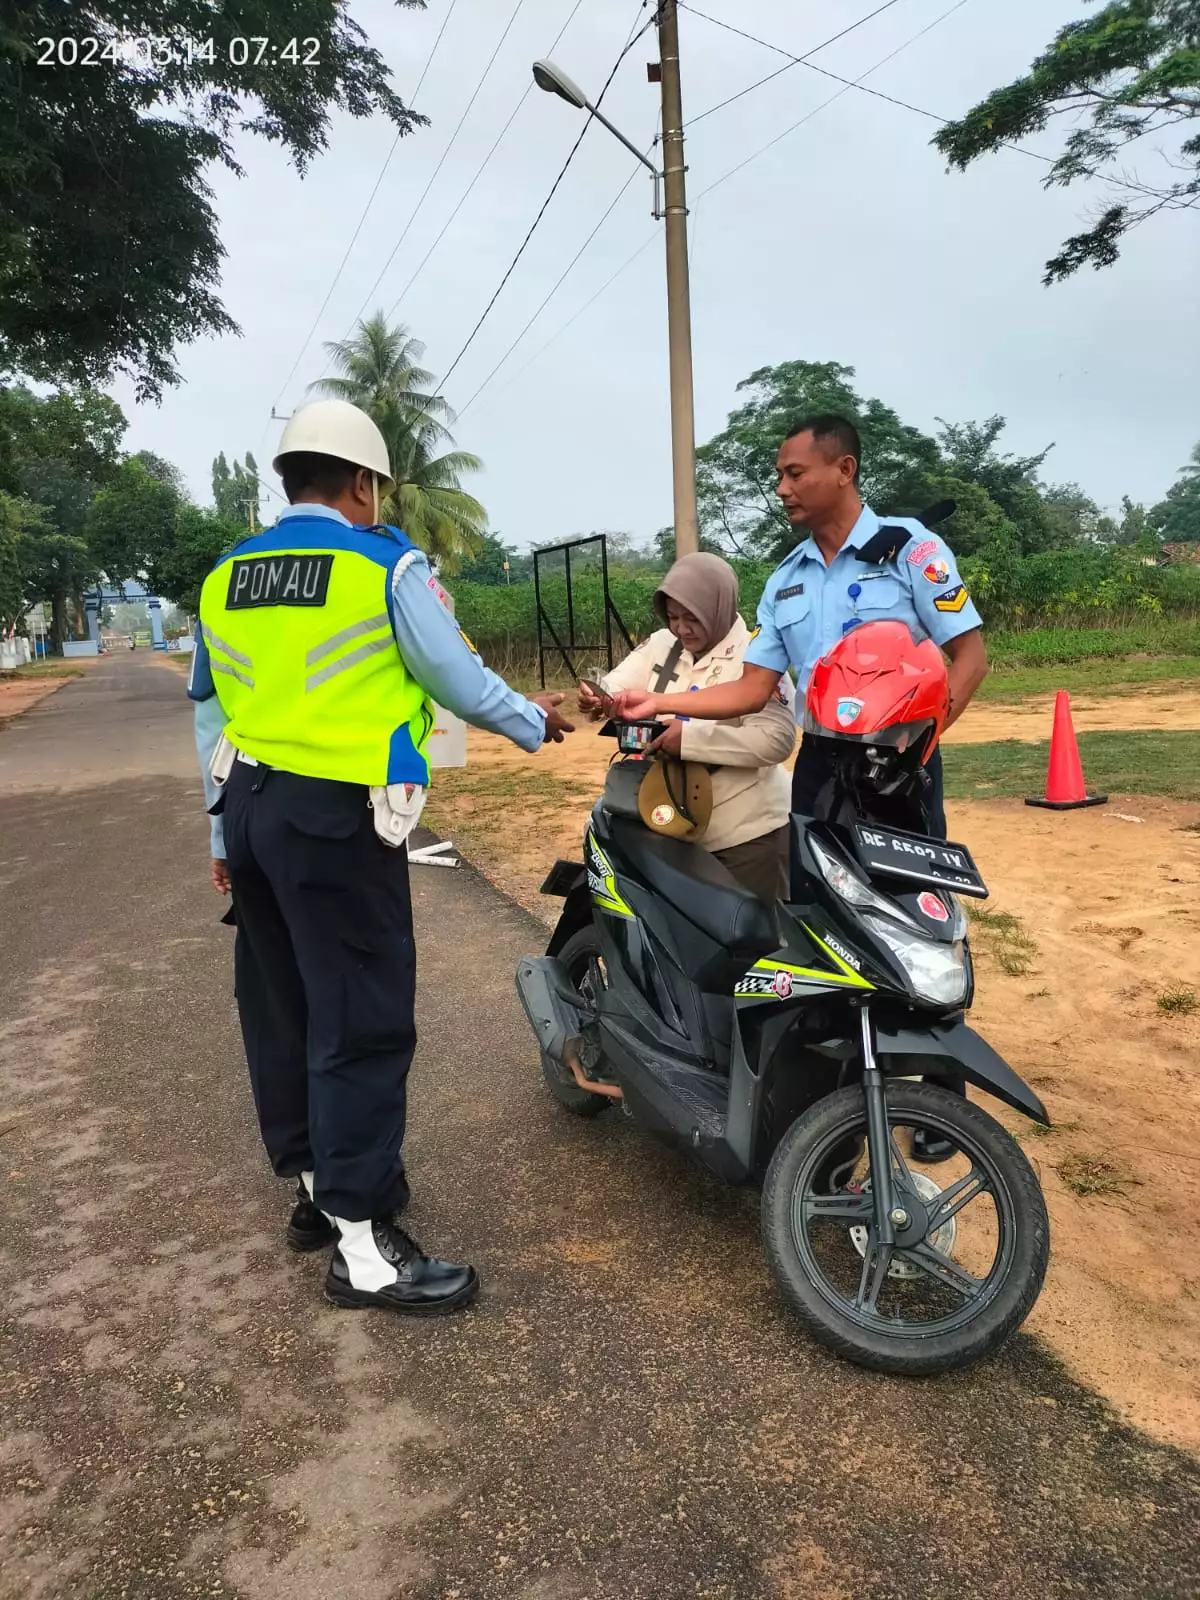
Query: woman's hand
(669,744)
(593,706)
(635,705)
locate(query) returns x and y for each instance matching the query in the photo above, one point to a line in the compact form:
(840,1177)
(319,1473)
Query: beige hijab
(707,586)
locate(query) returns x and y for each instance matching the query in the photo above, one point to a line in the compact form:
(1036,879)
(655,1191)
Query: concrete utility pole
(679,292)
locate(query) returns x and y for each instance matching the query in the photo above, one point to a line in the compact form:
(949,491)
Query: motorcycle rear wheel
(582,959)
(992,1306)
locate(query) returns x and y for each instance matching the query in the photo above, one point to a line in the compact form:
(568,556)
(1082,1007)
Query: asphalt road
(627,1413)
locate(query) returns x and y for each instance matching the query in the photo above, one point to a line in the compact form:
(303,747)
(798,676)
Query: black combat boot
(378,1264)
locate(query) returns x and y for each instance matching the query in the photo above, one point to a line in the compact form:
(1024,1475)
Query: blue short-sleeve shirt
(806,605)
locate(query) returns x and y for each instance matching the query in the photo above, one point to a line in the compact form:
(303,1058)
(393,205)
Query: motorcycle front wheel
(972,1235)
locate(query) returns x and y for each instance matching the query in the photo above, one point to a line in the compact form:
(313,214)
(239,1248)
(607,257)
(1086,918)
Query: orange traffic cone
(1065,789)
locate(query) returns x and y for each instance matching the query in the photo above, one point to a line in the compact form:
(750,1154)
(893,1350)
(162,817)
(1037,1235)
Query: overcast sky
(848,241)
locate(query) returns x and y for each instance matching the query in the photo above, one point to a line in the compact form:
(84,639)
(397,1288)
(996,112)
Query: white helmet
(336,428)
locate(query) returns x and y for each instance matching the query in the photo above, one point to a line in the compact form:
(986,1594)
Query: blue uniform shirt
(436,652)
(806,605)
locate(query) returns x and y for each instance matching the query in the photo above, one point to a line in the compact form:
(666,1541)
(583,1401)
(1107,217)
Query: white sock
(308,1179)
(367,1269)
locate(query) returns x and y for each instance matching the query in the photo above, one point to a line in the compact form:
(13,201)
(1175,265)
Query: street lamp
(555,81)
(679,314)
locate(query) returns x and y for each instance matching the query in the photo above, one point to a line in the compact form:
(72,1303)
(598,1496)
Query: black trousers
(325,972)
(814,768)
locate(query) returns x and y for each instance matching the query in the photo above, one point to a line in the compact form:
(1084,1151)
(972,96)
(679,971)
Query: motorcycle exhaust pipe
(610,1090)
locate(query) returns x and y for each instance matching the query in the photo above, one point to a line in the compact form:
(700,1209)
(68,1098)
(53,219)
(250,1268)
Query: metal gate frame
(573,646)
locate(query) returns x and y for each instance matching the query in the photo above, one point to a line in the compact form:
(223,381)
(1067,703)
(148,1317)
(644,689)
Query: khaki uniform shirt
(751,789)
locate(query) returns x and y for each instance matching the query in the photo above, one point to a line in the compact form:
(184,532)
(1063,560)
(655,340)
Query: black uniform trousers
(325,970)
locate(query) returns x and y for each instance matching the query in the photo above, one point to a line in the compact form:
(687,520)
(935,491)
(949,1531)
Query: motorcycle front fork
(879,1139)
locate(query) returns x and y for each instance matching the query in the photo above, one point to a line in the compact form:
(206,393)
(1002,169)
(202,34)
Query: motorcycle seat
(700,888)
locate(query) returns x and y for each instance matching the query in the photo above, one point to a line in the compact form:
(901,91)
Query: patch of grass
(1039,1130)
(1132,762)
(1038,994)
(40,669)
(1101,677)
(1189,827)
(1010,946)
(1148,636)
(501,783)
(1088,1175)
(1178,1001)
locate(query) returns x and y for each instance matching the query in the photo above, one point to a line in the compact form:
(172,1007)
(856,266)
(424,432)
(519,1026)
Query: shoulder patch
(953,599)
(922,552)
(936,572)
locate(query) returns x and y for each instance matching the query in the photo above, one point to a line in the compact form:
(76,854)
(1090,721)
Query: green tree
(15,518)
(1074,517)
(131,522)
(77,428)
(57,567)
(736,471)
(1128,73)
(199,539)
(109,249)
(487,565)
(378,369)
(1177,518)
(970,454)
(236,492)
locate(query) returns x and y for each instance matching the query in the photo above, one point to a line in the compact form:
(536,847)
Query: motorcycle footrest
(544,987)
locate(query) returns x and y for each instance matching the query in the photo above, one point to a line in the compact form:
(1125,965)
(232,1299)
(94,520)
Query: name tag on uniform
(288,580)
(790,594)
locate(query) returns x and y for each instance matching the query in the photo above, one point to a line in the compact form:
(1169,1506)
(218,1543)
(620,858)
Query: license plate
(920,860)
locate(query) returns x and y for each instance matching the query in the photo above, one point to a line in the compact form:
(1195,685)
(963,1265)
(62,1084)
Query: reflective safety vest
(298,628)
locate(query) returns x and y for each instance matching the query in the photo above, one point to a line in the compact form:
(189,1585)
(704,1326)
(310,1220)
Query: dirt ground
(1168,706)
(18,694)
(1111,901)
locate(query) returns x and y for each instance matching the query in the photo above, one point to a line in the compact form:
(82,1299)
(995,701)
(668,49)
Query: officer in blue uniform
(323,641)
(853,567)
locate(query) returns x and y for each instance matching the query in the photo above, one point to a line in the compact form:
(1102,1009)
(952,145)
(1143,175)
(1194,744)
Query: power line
(570,267)
(545,206)
(586,306)
(877,94)
(487,160)
(847,84)
(642,248)
(793,61)
(437,170)
(365,210)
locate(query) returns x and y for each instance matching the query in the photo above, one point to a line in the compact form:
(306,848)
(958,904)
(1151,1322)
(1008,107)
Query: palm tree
(379,369)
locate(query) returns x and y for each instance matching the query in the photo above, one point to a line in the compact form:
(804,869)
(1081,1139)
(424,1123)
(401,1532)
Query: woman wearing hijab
(703,642)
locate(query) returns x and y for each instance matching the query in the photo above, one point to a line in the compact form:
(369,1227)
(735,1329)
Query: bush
(1056,607)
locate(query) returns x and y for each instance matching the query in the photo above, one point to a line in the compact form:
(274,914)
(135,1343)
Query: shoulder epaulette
(885,545)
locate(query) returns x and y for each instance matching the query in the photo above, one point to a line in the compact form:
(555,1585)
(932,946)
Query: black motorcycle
(779,1044)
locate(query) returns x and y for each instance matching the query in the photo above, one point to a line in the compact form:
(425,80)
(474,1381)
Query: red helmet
(878,686)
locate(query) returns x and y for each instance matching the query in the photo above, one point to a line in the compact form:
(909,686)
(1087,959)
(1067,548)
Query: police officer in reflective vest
(322,643)
(853,567)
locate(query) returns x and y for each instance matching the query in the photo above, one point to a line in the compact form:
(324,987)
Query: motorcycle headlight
(938,972)
(851,888)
